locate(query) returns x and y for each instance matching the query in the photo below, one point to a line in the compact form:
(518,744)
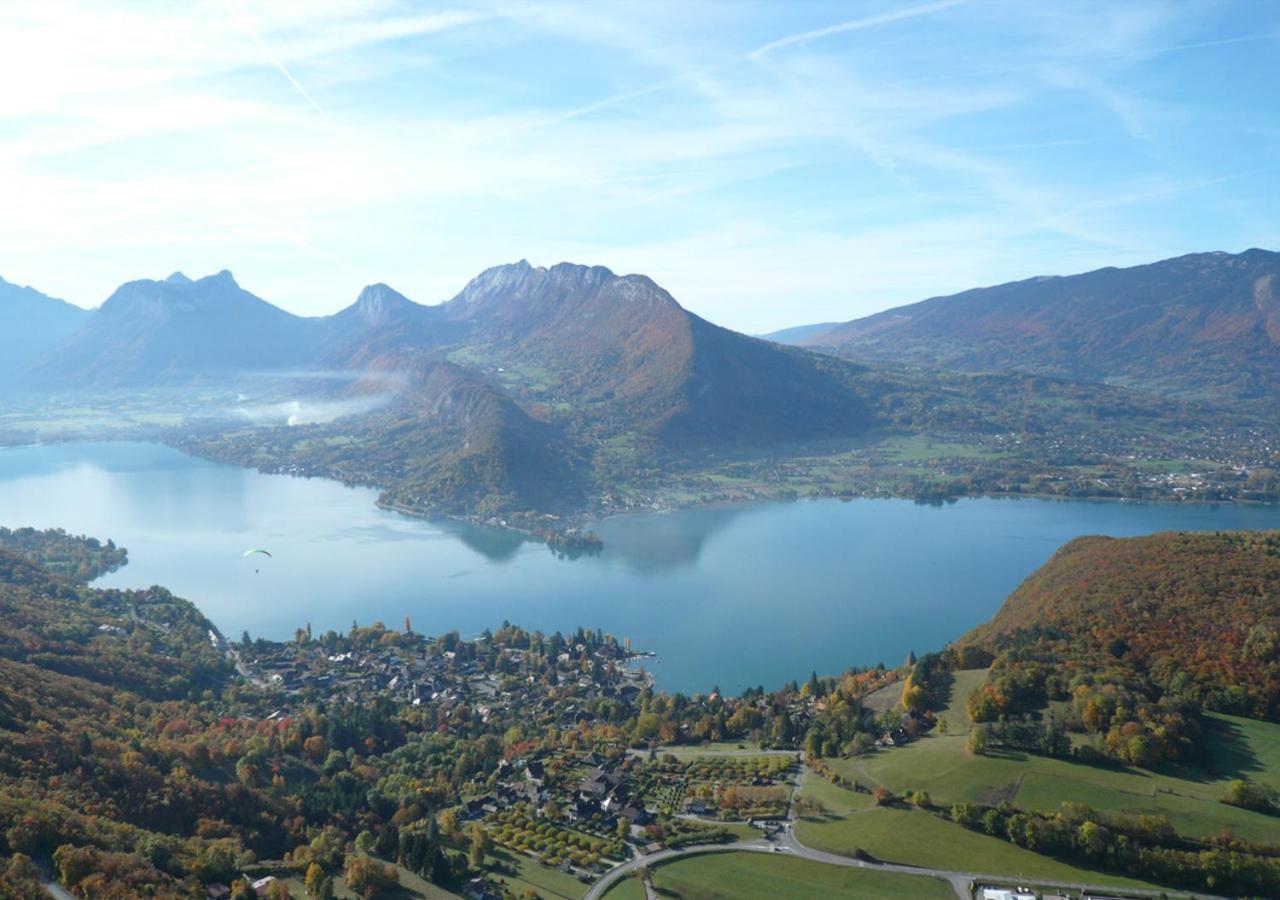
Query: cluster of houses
(602,796)
(417,673)
(604,792)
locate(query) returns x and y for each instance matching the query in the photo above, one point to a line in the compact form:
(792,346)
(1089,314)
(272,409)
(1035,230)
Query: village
(575,808)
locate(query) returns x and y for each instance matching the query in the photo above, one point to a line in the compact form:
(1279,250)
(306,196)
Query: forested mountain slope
(623,355)
(1203,324)
(1140,634)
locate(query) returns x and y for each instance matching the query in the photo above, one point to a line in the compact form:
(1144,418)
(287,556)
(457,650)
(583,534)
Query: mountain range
(533,384)
(1203,325)
(582,339)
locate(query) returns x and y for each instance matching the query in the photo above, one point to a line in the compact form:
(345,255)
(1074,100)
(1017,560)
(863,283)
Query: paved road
(790,844)
(57,891)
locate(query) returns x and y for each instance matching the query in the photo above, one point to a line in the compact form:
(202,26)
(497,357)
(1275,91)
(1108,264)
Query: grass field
(964,683)
(941,765)
(739,830)
(1244,748)
(836,801)
(627,889)
(1190,797)
(888,697)
(549,883)
(755,876)
(914,837)
(411,888)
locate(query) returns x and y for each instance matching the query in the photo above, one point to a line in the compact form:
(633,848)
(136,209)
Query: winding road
(790,844)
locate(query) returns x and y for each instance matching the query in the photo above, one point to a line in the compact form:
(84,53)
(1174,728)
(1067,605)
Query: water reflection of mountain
(494,544)
(655,543)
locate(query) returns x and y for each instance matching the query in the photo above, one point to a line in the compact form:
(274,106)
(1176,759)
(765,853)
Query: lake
(731,596)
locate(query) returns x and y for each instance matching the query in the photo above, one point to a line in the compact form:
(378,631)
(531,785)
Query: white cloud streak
(247,27)
(886,18)
(805,179)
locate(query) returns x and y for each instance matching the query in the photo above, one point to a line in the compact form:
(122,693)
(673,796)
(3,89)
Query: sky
(770,164)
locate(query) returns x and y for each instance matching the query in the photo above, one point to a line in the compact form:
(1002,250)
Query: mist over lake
(731,596)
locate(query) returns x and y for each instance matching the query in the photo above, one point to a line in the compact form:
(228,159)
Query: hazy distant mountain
(31,323)
(382,321)
(177,329)
(798,334)
(1208,323)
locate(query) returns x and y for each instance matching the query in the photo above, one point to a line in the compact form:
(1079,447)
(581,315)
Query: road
(56,891)
(790,844)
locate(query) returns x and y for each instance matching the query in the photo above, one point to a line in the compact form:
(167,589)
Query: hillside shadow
(1228,755)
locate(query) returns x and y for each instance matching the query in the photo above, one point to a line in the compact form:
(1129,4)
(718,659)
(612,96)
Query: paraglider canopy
(256,552)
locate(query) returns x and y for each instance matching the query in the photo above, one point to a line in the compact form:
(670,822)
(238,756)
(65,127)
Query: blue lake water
(730,597)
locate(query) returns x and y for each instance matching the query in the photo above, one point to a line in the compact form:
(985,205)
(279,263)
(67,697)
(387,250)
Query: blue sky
(770,164)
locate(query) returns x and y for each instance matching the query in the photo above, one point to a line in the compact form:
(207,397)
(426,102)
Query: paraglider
(256,552)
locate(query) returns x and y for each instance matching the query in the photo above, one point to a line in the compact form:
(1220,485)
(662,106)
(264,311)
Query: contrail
(248,29)
(804,37)
(898,15)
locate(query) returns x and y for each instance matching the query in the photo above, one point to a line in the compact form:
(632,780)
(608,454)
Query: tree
(1248,795)
(449,826)
(315,875)
(365,841)
(979,740)
(481,846)
(315,748)
(368,877)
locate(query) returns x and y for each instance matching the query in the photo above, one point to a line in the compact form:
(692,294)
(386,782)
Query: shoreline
(587,519)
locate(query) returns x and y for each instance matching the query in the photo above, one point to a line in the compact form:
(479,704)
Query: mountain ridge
(31,322)
(1202,324)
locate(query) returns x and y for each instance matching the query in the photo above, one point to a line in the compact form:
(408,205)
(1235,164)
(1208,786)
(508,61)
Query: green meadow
(757,876)
(1191,798)
(918,838)
(941,765)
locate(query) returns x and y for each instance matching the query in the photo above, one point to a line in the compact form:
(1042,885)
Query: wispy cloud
(885,18)
(742,155)
(247,27)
